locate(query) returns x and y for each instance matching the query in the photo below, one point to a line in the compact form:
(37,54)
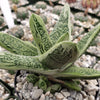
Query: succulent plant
(44,18)
(22,13)
(53,56)
(81,18)
(87,3)
(57,9)
(90,3)
(1,21)
(15,1)
(17,32)
(41,4)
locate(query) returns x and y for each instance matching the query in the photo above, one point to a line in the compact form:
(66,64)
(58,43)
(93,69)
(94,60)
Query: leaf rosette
(52,55)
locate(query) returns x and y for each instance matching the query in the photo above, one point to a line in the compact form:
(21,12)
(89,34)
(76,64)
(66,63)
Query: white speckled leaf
(60,55)
(40,34)
(84,43)
(74,72)
(62,29)
(9,59)
(17,46)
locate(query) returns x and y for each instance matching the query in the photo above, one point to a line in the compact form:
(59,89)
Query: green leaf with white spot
(60,55)
(40,34)
(18,62)
(62,29)
(17,46)
(75,72)
(84,43)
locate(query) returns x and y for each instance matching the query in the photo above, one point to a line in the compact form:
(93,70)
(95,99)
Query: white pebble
(37,93)
(59,96)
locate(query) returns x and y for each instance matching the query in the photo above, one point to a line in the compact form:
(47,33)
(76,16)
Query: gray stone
(47,93)
(65,94)
(23,2)
(51,95)
(25,86)
(91,87)
(54,98)
(18,79)
(73,94)
(34,88)
(94,50)
(86,98)
(30,86)
(97,66)
(37,93)
(92,93)
(51,99)
(94,82)
(79,96)
(19,85)
(47,98)
(91,97)
(27,95)
(22,72)
(42,97)
(20,94)
(59,96)
(23,80)
(69,98)
(83,93)
(65,99)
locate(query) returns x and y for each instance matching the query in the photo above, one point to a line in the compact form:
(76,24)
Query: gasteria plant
(90,3)
(52,55)
(87,3)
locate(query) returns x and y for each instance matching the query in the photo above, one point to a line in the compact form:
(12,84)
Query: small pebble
(37,93)
(42,97)
(73,93)
(47,98)
(91,97)
(66,94)
(30,86)
(47,93)
(79,96)
(59,96)
(65,99)
(70,98)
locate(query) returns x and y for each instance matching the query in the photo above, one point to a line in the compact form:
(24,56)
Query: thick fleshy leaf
(60,55)
(73,85)
(40,33)
(42,84)
(17,46)
(87,39)
(62,29)
(32,78)
(19,62)
(74,72)
(10,61)
(54,88)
